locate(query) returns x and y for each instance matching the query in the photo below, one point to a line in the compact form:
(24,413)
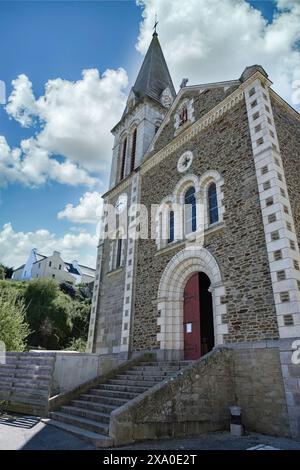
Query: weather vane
(155,24)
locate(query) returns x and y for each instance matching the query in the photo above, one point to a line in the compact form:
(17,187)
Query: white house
(40,266)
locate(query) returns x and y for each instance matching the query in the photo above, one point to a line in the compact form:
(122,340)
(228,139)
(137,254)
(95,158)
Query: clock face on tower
(121,203)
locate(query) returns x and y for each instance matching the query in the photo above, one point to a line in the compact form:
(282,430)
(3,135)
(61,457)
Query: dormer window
(183,115)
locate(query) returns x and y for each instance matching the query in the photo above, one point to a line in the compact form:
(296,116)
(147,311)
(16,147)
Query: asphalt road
(29,433)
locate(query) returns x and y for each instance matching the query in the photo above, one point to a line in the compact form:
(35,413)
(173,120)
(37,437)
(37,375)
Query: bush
(77,344)
(55,319)
(13,327)
(48,314)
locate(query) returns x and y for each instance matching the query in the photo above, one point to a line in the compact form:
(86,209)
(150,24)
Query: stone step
(33,377)
(128,383)
(141,378)
(33,352)
(27,369)
(28,392)
(105,400)
(123,388)
(84,423)
(113,393)
(46,361)
(30,383)
(96,439)
(166,363)
(90,405)
(84,413)
(7,372)
(21,399)
(150,373)
(20,375)
(151,369)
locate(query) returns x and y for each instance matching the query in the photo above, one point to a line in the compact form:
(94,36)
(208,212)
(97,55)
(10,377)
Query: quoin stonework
(229,154)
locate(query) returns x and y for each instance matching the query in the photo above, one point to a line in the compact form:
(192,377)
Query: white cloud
(75,120)
(15,246)
(88,211)
(216,40)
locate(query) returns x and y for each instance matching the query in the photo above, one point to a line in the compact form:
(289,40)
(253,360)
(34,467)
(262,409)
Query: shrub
(13,327)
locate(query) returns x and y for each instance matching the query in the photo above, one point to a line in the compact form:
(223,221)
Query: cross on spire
(155,24)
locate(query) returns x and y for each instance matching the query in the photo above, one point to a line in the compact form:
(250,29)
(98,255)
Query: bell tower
(147,104)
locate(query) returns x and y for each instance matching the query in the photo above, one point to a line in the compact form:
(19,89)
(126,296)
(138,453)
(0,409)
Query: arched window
(123,158)
(213,214)
(190,211)
(171,227)
(133,150)
(119,252)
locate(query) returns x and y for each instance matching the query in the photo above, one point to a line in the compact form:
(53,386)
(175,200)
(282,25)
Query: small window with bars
(284,296)
(277,255)
(275,235)
(271,218)
(288,320)
(269,201)
(281,275)
(252,92)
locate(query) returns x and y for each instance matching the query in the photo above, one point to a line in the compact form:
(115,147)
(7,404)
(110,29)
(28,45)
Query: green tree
(77,344)
(13,326)
(48,314)
(2,272)
(5,272)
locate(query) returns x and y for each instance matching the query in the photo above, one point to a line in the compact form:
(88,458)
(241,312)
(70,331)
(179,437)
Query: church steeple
(146,107)
(154,76)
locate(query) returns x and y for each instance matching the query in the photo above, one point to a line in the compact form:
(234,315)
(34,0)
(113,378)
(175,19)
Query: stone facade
(245,139)
(225,147)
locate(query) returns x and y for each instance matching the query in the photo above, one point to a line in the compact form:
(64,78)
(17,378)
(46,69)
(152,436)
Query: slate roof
(154,76)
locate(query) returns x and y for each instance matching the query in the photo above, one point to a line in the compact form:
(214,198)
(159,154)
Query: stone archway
(170,298)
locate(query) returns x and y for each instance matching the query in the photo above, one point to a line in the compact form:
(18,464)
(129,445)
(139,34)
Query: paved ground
(29,433)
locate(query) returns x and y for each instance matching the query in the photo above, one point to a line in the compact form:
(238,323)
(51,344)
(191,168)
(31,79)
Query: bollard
(236,427)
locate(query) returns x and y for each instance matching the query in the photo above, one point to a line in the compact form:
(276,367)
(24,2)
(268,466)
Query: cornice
(281,101)
(119,188)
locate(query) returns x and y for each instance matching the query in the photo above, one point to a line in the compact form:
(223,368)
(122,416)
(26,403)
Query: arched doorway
(198,323)
(170,300)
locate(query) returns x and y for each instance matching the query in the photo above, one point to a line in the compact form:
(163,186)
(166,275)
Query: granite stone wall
(111,296)
(238,245)
(259,388)
(288,131)
(198,399)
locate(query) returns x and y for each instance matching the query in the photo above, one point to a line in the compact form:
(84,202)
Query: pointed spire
(154,76)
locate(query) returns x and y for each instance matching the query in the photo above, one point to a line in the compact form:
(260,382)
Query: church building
(220,265)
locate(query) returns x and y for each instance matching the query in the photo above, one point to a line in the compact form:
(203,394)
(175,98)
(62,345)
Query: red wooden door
(191,318)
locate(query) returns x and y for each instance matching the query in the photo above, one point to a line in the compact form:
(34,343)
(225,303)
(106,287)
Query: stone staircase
(88,416)
(25,382)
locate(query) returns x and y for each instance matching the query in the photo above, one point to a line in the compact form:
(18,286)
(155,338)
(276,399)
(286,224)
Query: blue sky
(43,44)
(46,40)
